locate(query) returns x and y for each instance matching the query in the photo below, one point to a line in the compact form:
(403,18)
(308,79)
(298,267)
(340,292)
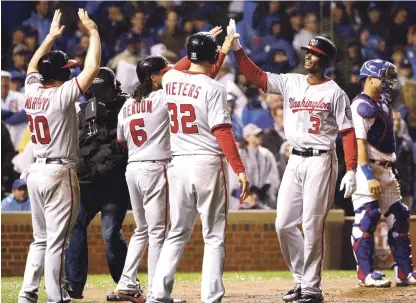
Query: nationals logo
(309,105)
(313,42)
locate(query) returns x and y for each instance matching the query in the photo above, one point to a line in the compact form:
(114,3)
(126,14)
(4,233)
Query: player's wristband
(368,172)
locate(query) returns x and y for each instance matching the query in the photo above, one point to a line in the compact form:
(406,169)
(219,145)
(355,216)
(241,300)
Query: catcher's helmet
(55,66)
(322,47)
(381,69)
(103,85)
(151,65)
(202,47)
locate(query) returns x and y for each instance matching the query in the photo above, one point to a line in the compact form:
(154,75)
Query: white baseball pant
(305,197)
(148,188)
(197,184)
(390,189)
(55,199)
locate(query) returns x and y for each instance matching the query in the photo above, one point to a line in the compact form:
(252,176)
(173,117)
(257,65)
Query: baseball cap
(30,31)
(20,49)
(17,75)
(372,6)
(18,183)
(6,74)
(251,129)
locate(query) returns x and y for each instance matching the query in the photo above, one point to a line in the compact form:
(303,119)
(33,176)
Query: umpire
(103,186)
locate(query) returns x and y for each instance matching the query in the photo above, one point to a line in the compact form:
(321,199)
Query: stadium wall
(251,243)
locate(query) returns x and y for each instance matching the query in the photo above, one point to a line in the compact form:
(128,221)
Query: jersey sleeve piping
(225,125)
(345,130)
(79,87)
(30,74)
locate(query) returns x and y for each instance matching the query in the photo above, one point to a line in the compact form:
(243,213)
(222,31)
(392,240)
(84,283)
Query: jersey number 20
(137,132)
(35,126)
(187,120)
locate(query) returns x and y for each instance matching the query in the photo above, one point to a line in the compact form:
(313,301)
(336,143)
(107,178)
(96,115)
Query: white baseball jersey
(314,114)
(52,118)
(145,126)
(362,126)
(15,102)
(197,104)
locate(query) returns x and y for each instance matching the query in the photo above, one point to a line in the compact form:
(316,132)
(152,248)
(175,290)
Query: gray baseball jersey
(145,126)
(196,104)
(313,114)
(52,118)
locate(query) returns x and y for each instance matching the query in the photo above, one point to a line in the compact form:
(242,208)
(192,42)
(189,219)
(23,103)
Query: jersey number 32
(187,118)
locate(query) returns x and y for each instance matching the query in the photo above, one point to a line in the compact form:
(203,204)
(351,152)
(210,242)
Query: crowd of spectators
(271,32)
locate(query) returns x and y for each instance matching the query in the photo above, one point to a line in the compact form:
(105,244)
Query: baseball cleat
(135,296)
(292,294)
(410,281)
(375,279)
(308,298)
(178,301)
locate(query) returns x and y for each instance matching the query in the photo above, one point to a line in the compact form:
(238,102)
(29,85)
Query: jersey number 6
(316,125)
(35,125)
(137,132)
(187,120)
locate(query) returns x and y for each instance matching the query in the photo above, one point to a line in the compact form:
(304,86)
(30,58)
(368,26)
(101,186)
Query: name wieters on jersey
(197,104)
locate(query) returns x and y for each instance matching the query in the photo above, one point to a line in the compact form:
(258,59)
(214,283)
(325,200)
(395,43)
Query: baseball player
(201,135)
(378,191)
(143,128)
(51,180)
(316,110)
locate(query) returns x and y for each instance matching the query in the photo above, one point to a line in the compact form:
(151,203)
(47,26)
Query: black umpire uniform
(101,170)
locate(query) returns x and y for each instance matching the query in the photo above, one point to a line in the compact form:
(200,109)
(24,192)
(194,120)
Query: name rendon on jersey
(137,107)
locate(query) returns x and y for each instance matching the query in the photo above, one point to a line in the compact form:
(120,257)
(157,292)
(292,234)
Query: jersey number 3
(187,120)
(138,134)
(39,129)
(316,125)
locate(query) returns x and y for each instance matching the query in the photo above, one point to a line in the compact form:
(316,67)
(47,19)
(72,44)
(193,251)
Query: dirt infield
(335,290)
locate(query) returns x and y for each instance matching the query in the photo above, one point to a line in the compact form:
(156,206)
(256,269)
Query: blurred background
(271,33)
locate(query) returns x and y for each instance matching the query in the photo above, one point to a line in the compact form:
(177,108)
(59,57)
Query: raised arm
(93,58)
(55,31)
(252,72)
(185,63)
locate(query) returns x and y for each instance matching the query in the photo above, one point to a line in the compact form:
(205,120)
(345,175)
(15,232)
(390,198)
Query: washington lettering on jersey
(309,105)
(182,89)
(314,114)
(144,106)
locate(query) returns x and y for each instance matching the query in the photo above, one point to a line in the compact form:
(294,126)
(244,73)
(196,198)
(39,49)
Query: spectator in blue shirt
(411,52)
(138,32)
(39,21)
(18,200)
(273,102)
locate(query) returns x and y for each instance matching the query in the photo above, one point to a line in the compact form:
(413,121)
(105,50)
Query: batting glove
(349,183)
(231,26)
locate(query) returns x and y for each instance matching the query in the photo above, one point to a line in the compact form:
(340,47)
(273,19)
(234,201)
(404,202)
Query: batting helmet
(151,65)
(202,47)
(103,85)
(322,47)
(55,66)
